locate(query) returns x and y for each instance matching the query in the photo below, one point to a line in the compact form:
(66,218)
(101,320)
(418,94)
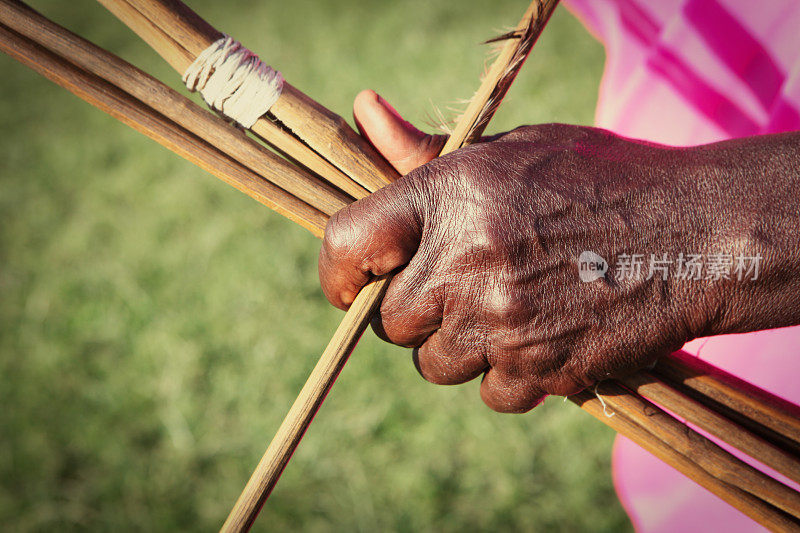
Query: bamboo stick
(699,449)
(325,132)
(649,386)
(501,75)
(302,412)
(752,506)
(768,416)
(355,322)
(127,109)
(180,58)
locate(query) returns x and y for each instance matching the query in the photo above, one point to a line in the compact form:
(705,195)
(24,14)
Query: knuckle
(340,233)
(503,309)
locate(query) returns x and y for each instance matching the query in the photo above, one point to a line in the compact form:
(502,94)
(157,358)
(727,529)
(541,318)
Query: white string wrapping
(606,412)
(234,81)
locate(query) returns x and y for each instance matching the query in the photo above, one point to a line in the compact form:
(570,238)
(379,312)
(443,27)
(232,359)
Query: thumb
(403,145)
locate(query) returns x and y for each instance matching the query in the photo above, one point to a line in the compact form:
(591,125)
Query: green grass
(156,324)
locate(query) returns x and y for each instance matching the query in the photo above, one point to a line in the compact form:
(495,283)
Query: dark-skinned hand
(485,245)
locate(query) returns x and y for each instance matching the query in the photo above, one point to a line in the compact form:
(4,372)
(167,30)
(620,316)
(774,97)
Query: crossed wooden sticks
(326,165)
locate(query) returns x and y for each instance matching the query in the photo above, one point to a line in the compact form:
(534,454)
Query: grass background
(156,324)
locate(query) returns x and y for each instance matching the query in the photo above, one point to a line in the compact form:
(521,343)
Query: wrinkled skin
(485,243)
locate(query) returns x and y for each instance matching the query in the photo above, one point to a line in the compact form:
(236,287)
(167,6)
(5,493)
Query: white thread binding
(233,80)
(606,412)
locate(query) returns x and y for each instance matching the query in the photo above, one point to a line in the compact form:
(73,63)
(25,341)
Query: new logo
(591,266)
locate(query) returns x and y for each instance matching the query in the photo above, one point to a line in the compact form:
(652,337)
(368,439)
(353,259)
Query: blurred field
(156,324)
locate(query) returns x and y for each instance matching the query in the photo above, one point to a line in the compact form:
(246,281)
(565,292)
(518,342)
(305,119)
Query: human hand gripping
(485,242)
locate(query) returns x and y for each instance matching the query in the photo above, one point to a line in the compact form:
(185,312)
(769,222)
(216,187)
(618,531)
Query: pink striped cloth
(686,72)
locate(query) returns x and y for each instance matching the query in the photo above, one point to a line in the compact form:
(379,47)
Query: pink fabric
(686,72)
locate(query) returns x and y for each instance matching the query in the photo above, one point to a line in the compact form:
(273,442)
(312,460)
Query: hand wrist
(753,203)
